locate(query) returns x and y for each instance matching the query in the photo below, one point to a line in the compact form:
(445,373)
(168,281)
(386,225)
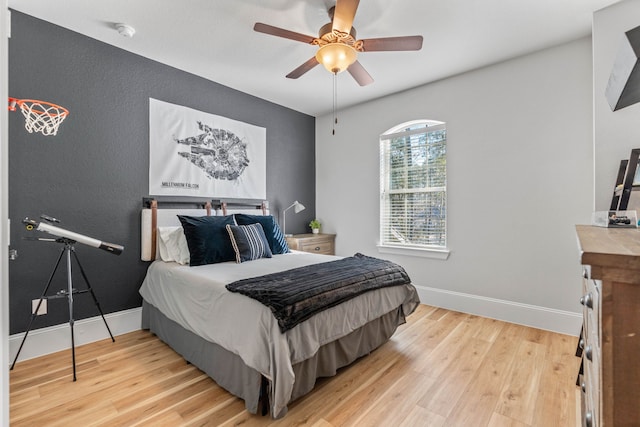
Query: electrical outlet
(43,307)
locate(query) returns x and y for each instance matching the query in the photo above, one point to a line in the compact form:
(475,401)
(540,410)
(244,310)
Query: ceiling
(214,39)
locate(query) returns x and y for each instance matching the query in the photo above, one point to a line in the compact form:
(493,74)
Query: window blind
(413,186)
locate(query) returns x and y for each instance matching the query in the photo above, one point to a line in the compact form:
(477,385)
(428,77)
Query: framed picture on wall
(627,183)
(194,153)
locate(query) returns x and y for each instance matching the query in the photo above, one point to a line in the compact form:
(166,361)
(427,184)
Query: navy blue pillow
(249,242)
(207,239)
(277,242)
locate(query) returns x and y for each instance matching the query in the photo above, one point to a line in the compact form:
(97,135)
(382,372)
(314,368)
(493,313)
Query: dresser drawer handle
(317,248)
(588,419)
(581,343)
(583,386)
(585,273)
(588,352)
(587,300)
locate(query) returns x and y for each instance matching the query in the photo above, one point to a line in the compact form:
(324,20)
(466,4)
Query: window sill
(432,253)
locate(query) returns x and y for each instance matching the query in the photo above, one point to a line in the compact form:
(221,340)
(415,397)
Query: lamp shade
(297,207)
(336,57)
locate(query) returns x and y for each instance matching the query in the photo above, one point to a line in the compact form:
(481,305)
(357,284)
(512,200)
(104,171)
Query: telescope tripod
(68,293)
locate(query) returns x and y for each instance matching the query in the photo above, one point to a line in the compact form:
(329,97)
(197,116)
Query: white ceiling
(215,39)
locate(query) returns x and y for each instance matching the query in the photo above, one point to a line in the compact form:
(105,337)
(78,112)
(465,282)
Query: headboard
(164,213)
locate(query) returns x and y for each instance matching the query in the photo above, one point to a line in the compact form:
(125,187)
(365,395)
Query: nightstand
(315,243)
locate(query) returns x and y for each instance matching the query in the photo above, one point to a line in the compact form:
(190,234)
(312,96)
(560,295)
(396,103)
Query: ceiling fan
(338,48)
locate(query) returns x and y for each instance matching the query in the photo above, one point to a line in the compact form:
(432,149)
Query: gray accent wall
(94,173)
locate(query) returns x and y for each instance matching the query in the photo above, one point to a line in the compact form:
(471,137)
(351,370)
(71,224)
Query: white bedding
(196,299)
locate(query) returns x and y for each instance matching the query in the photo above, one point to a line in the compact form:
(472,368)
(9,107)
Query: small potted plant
(315,226)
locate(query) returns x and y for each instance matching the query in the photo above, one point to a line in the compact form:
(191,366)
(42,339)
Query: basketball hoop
(40,116)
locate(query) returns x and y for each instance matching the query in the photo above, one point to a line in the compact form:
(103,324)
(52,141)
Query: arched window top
(412,126)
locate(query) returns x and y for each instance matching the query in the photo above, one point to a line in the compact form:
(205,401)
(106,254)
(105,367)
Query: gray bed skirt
(229,371)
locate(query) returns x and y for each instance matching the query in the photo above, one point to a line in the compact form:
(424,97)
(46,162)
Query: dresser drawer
(591,378)
(590,301)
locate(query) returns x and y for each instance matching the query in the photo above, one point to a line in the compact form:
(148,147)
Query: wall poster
(193,153)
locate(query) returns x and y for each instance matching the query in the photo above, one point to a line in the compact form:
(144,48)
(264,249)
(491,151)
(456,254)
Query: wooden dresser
(610,340)
(316,243)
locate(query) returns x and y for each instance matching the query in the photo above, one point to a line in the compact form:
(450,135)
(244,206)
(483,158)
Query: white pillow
(173,245)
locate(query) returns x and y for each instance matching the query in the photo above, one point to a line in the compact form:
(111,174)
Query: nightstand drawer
(314,243)
(318,247)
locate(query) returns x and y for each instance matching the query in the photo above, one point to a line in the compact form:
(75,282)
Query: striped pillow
(277,241)
(249,242)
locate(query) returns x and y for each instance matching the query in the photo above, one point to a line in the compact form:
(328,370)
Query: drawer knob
(317,248)
(588,352)
(587,300)
(581,343)
(583,386)
(588,419)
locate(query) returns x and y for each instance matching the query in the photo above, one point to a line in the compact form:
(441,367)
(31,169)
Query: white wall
(520,175)
(4,218)
(615,133)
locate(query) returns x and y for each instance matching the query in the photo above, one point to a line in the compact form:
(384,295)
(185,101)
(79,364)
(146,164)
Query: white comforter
(196,299)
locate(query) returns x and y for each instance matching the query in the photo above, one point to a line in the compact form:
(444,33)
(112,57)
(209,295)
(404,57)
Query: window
(413,187)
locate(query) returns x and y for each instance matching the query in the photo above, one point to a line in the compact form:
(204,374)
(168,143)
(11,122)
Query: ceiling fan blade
(281,32)
(392,43)
(358,72)
(343,15)
(303,68)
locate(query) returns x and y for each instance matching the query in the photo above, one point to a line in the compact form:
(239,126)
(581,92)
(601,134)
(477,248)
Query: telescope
(70,235)
(69,239)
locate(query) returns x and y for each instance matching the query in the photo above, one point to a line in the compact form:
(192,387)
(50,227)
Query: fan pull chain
(335,102)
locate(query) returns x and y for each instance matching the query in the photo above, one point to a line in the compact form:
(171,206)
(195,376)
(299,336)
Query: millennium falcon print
(218,152)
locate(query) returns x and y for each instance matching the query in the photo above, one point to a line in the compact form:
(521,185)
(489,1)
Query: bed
(237,340)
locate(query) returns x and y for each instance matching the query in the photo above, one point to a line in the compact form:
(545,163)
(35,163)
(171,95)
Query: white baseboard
(56,338)
(564,322)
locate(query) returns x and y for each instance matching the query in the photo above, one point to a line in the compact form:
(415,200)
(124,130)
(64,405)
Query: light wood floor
(442,368)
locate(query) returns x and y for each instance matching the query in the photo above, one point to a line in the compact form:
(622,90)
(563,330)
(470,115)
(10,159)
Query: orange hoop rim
(28,102)
(12,103)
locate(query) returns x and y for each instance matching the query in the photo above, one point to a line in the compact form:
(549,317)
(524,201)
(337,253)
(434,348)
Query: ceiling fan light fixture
(336,57)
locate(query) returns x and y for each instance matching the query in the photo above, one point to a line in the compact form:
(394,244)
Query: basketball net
(40,116)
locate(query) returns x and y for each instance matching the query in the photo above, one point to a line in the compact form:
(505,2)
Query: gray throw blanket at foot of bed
(295,295)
